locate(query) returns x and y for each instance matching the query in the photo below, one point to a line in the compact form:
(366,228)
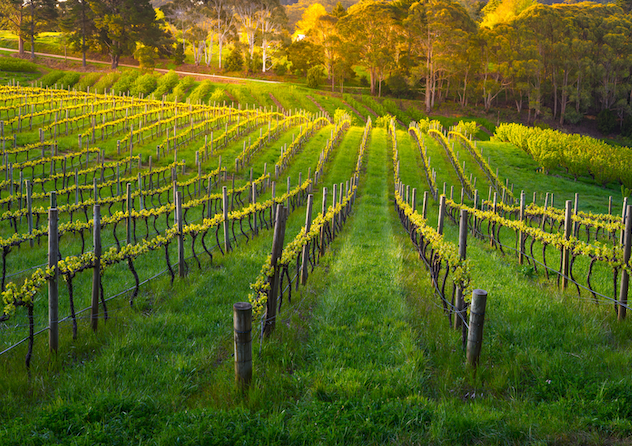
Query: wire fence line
(597,297)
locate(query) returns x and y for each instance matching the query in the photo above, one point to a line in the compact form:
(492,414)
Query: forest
(560,61)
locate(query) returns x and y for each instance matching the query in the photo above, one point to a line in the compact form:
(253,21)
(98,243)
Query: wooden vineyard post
(459,303)
(29,208)
(625,278)
(288,195)
(129,205)
(322,228)
(254,203)
(566,252)
(475,332)
(340,197)
(242,326)
(308,225)
(277,251)
(413,199)
(333,203)
(424,206)
(575,211)
(441,214)
(546,205)
(96,271)
(53,282)
(274,203)
(520,233)
(475,207)
(225,211)
(623,216)
(182,266)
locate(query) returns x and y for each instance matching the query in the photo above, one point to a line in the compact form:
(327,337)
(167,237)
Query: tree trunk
(429,88)
(372,75)
(83,36)
(83,51)
(32,31)
(263,49)
(221,44)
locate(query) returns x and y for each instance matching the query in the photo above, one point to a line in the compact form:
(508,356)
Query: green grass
(362,355)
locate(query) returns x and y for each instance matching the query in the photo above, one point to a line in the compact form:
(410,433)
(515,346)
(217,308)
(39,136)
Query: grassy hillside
(363,354)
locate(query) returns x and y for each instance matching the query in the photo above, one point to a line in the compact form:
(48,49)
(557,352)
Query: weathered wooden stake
(477,320)
(277,251)
(305,253)
(53,282)
(441,214)
(520,233)
(242,326)
(625,278)
(29,208)
(225,211)
(96,271)
(566,252)
(322,229)
(459,303)
(182,266)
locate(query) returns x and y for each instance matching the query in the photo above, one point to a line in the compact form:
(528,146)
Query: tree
(246,11)
(303,55)
(40,13)
(270,16)
(223,12)
(13,16)
(77,19)
(370,26)
(120,24)
(181,13)
(441,30)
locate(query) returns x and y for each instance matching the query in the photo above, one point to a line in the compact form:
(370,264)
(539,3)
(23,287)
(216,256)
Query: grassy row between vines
(363,355)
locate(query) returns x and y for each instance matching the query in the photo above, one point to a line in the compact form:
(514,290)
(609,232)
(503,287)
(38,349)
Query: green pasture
(363,354)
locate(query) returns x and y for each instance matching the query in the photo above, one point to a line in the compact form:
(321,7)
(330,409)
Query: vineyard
(130,226)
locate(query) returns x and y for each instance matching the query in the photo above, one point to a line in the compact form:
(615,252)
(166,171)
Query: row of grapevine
(439,255)
(578,154)
(307,247)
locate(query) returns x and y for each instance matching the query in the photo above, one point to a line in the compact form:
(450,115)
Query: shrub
(383,121)
(69,79)
(201,92)
(126,81)
(17,65)
(178,54)
(144,85)
(572,116)
(181,90)
(606,122)
(166,84)
(87,80)
(398,85)
(235,60)
(466,128)
(416,114)
(106,82)
(626,128)
(217,96)
(280,69)
(146,57)
(49,79)
(315,77)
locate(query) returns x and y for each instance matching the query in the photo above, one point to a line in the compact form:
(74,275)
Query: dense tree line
(563,60)
(560,60)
